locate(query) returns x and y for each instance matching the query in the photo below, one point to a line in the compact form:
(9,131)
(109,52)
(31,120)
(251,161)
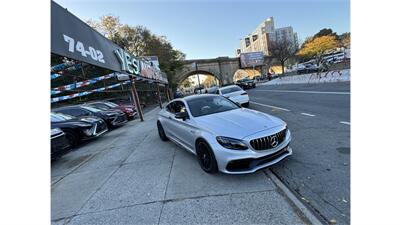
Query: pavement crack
(166,201)
(166,188)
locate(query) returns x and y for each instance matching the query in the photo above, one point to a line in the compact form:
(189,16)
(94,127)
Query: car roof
(66,107)
(229,86)
(191,97)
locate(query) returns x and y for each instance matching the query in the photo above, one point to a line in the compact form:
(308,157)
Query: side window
(101,106)
(179,107)
(77,112)
(170,107)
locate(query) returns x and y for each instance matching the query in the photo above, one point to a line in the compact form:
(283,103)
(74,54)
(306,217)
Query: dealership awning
(76,40)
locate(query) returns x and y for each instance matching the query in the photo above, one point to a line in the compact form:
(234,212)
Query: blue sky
(208,29)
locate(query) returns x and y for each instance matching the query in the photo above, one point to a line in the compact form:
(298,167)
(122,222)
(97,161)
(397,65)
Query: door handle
(169,117)
(192,131)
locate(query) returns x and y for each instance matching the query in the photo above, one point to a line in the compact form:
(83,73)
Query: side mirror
(182,115)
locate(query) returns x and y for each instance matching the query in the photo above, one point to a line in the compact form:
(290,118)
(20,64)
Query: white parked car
(224,136)
(235,94)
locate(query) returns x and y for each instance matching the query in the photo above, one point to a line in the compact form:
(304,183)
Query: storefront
(85,51)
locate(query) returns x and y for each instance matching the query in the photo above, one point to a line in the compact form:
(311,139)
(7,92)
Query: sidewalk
(129,176)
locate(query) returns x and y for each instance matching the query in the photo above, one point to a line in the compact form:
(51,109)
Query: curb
(292,197)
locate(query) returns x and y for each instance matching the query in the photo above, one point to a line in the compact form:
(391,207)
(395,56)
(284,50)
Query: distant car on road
(178,94)
(59,143)
(236,94)
(306,68)
(200,90)
(113,118)
(224,136)
(129,110)
(212,90)
(246,83)
(77,129)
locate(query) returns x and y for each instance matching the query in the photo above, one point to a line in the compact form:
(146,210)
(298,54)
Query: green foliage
(325,32)
(139,41)
(342,40)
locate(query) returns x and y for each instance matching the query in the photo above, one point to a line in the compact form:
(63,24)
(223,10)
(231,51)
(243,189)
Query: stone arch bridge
(223,68)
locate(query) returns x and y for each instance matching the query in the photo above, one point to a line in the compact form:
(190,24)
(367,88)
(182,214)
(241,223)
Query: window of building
(247,40)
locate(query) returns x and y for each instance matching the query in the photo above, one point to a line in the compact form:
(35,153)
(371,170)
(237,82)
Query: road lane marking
(344,122)
(270,106)
(309,92)
(307,114)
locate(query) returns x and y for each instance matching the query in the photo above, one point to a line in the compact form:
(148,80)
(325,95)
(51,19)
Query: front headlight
(232,143)
(55,131)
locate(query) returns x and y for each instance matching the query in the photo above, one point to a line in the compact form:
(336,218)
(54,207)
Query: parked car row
(72,124)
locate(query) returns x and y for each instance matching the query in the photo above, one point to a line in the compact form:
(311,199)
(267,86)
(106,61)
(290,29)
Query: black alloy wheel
(161,132)
(205,157)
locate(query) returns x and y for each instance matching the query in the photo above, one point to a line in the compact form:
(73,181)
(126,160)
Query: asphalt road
(318,116)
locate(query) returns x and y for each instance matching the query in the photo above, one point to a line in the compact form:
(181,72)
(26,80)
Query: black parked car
(59,142)
(112,117)
(246,83)
(77,129)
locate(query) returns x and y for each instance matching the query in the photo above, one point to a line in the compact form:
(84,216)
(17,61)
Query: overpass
(223,68)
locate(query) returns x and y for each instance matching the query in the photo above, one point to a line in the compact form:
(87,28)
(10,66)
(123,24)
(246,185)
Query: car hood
(238,123)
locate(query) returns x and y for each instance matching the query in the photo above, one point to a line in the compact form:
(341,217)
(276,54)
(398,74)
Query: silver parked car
(236,94)
(224,136)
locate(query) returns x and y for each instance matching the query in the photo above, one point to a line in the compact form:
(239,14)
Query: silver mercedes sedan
(224,136)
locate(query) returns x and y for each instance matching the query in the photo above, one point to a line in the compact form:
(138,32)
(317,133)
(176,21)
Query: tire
(246,105)
(206,158)
(161,132)
(72,138)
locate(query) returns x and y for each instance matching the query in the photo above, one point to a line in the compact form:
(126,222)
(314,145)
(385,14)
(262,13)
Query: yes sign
(129,63)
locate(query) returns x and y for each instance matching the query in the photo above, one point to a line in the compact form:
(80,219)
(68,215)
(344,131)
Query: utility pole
(198,77)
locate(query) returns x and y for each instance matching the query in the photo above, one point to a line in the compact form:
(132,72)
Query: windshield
(230,89)
(111,104)
(58,117)
(210,104)
(91,109)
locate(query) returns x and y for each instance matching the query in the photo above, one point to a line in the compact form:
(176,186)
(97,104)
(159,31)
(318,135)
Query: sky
(209,29)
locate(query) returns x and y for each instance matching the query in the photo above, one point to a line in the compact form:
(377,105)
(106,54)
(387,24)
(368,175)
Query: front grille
(265,143)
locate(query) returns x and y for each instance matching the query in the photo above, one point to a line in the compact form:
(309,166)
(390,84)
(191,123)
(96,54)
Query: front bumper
(249,161)
(241,99)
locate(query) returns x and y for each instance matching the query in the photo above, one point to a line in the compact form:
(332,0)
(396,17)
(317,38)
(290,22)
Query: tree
(317,47)
(344,39)
(187,83)
(325,32)
(209,81)
(139,41)
(282,50)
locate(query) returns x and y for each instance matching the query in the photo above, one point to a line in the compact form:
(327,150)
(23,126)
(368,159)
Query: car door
(168,121)
(184,130)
